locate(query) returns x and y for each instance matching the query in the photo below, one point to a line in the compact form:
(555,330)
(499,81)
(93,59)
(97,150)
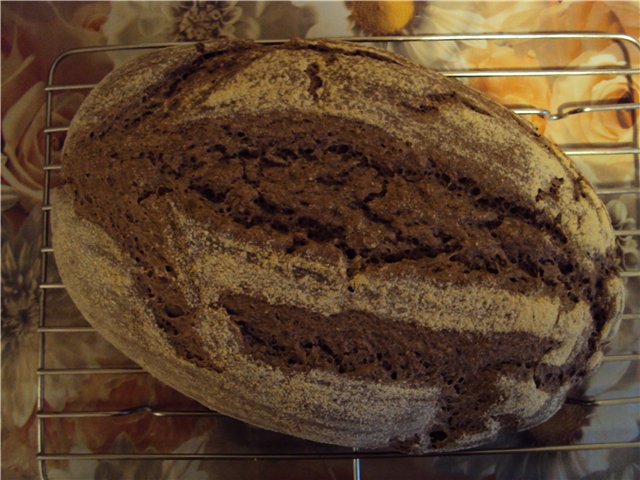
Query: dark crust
(374,203)
(371,203)
(306,182)
(360,345)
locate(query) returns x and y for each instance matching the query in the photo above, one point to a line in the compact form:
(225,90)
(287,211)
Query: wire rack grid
(626,44)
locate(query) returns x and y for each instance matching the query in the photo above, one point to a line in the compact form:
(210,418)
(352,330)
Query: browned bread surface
(329,241)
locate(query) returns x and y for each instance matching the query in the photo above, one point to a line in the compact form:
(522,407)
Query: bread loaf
(329,241)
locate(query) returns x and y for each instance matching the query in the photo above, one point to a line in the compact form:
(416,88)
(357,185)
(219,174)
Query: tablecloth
(34,33)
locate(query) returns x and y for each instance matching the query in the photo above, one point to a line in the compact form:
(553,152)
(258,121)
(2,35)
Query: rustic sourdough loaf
(329,241)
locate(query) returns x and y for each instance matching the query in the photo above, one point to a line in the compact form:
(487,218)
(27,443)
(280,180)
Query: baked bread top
(331,241)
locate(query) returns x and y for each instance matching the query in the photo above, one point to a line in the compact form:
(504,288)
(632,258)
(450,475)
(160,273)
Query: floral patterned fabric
(34,33)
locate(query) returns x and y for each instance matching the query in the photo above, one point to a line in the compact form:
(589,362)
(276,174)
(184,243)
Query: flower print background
(28,48)
(34,33)
(147,22)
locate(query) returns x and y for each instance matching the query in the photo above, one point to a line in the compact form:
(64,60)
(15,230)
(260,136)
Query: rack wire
(624,42)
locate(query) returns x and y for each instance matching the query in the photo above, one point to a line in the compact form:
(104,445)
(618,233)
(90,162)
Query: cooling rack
(627,45)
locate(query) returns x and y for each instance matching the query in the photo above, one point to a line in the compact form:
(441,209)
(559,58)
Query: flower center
(382,18)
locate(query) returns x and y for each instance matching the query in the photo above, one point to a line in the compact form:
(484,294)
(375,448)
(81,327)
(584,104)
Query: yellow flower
(557,16)
(628,14)
(382,18)
(604,128)
(511,91)
(410,18)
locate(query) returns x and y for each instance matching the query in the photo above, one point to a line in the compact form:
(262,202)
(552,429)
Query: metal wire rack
(626,44)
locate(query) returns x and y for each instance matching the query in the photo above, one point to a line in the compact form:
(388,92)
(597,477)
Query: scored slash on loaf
(329,241)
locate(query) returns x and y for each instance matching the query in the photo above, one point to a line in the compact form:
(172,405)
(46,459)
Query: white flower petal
(332,19)
(84,470)
(612,424)
(617,210)
(7,193)
(19,186)
(231,15)
(432,54)
(9,197)
(447,20)
(606,378)
(19,116)
(138,22)
(187,470)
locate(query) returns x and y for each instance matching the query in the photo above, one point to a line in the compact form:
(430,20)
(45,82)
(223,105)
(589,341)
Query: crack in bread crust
(356,343)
